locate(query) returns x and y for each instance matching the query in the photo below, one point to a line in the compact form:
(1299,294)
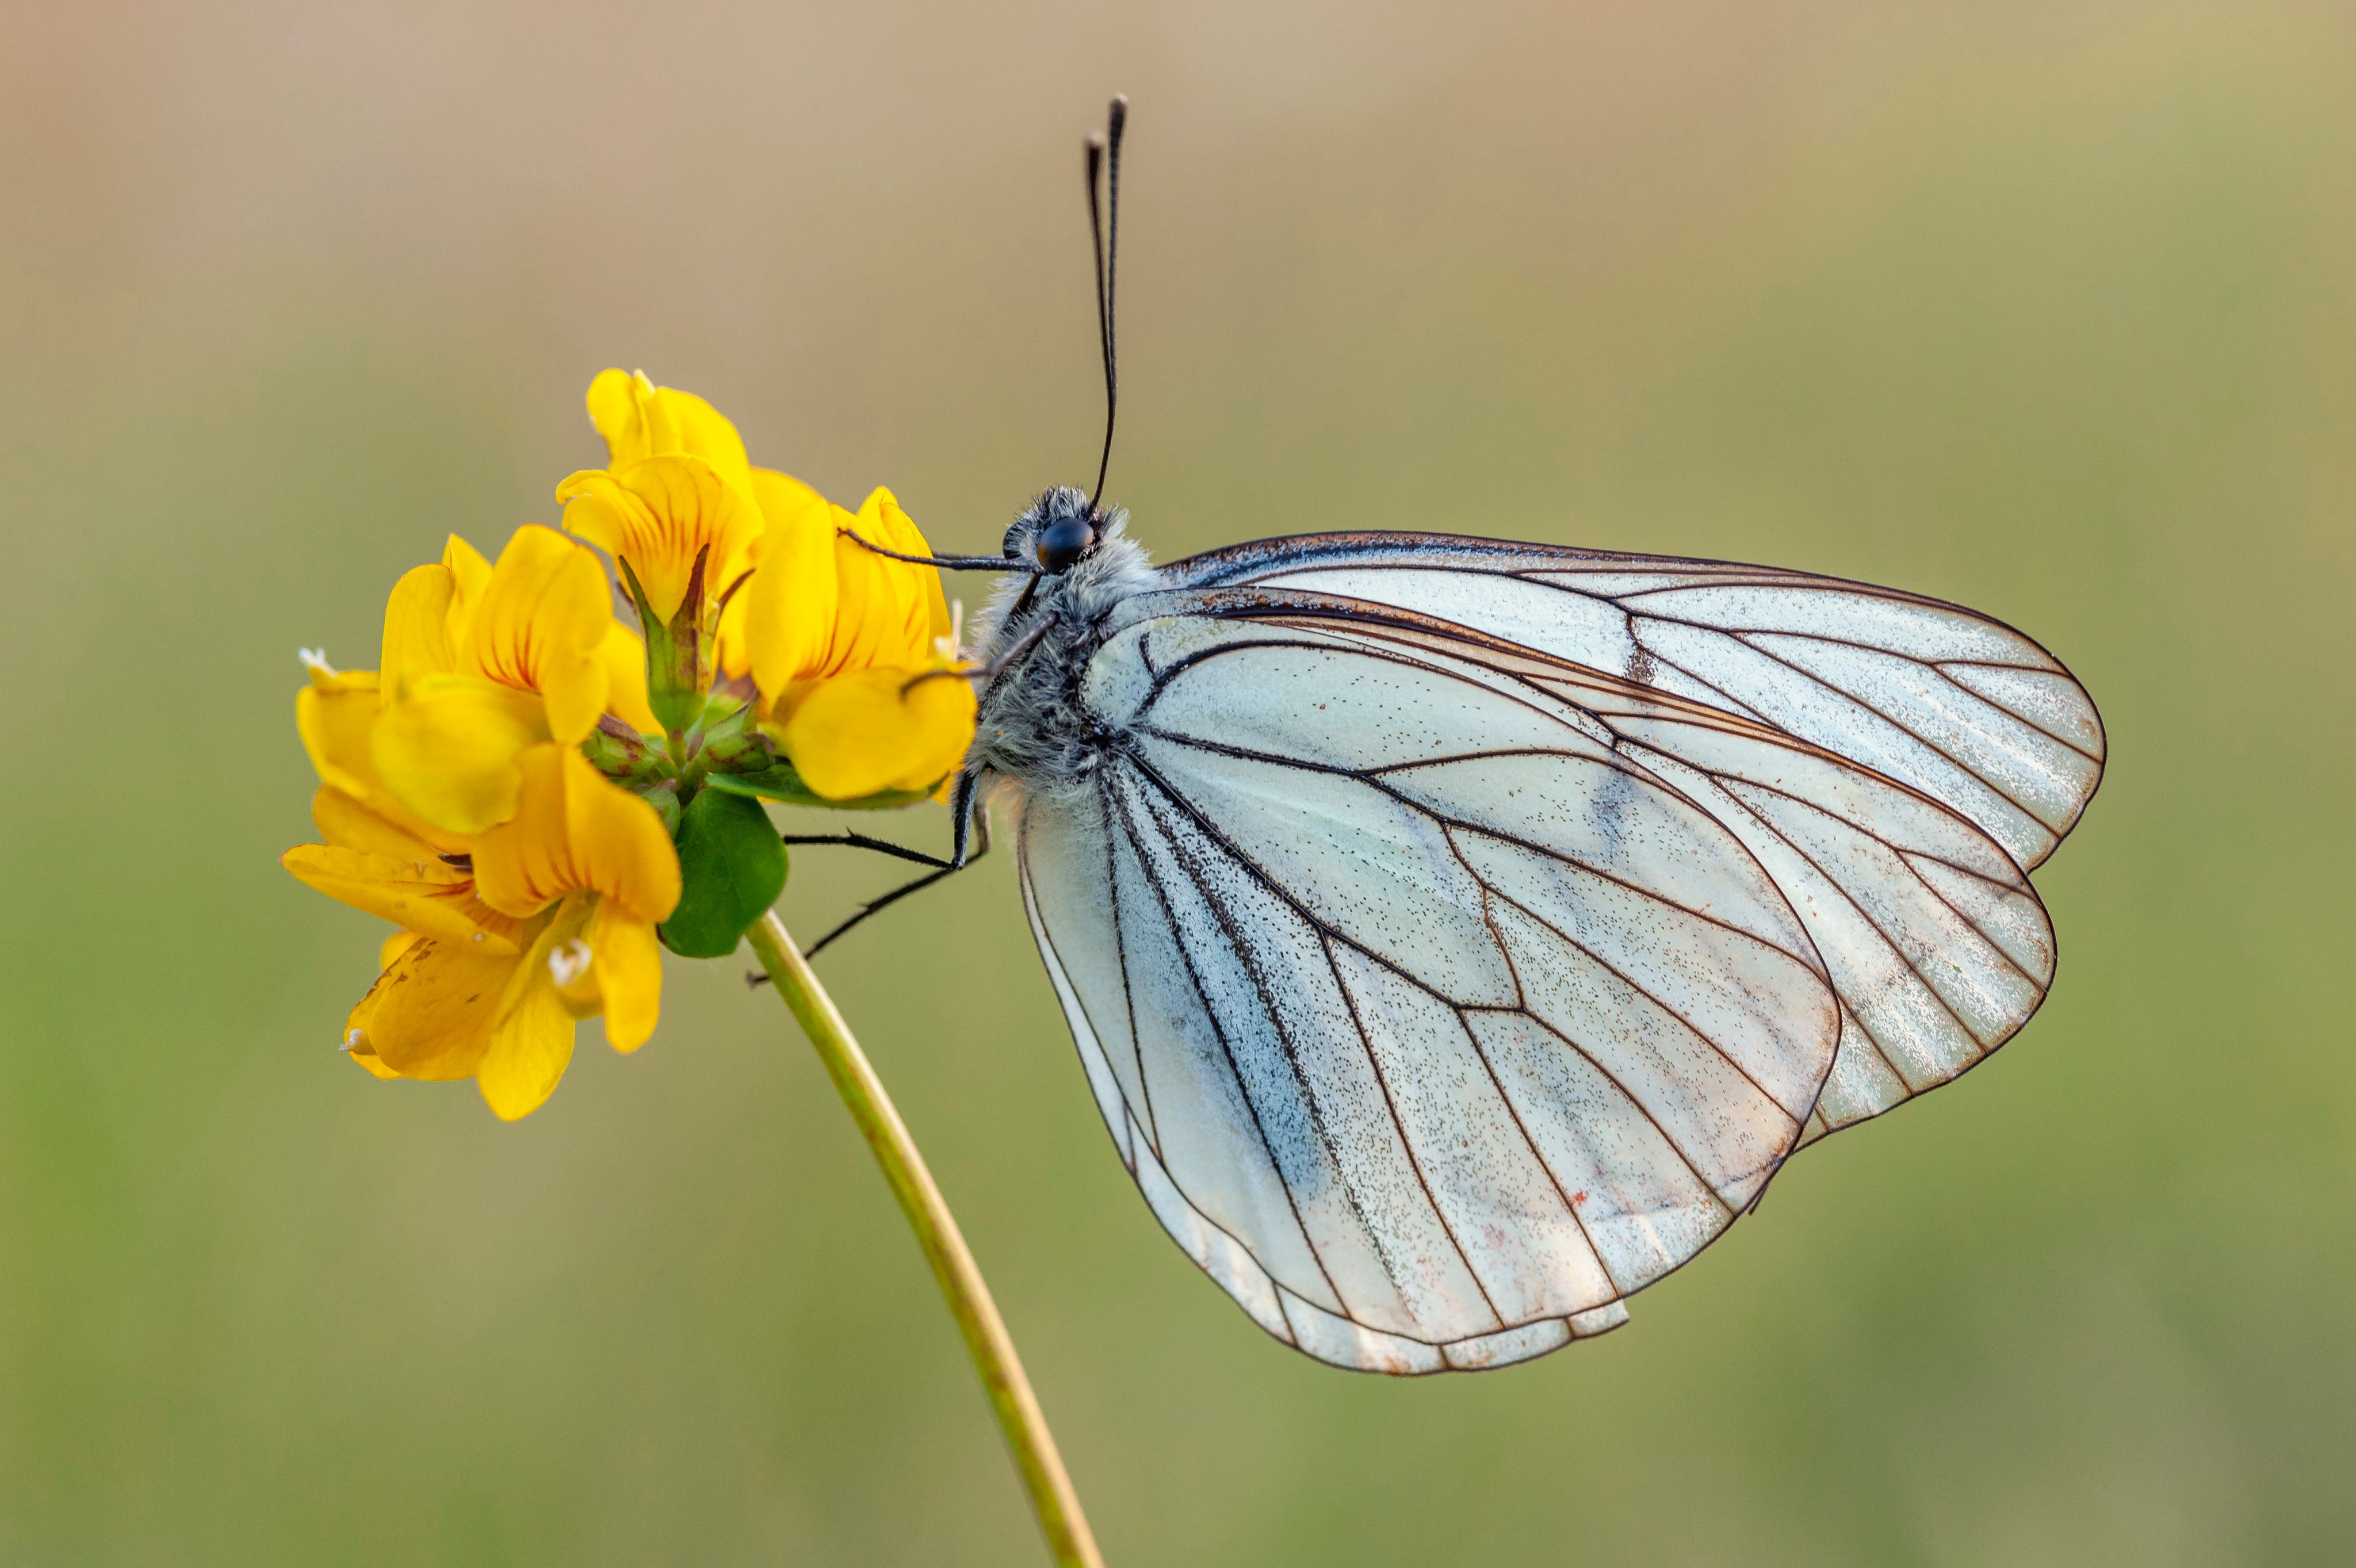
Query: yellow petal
(393,946)
(659,515)
(429,896)
(541,626)
(735,653)
(348,824)
(790,604)
(338,723)
(430,1014)
(417,625)
(640,420)
(336,718)
(470,575)
(860,734)
(446,748)
(624,653)
(627,961)
(355,1042)
(900,533)
(885,617)
(576,832)
(614,408)
(374,1063)
(530,1041)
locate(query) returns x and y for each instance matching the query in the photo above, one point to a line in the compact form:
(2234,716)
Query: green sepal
(663,796)
(781,783)
(732,868)
(674,654)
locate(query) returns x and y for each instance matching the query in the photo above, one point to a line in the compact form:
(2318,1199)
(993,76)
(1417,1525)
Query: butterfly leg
(965,858)
(972,842)
(853,840)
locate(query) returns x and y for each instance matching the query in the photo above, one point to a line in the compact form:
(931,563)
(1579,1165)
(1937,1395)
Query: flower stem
(986,1339)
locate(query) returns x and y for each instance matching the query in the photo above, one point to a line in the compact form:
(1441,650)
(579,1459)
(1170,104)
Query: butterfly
(1458,935)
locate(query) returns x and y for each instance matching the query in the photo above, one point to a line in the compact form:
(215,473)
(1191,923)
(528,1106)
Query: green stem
(986,1339)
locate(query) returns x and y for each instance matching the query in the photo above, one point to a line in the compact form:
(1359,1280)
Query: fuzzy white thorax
(1031,726)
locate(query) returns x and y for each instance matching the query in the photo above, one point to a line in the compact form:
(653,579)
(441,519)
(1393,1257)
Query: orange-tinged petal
(575,832)
(790,604)
(417,625)
(624,653)
(530,1041)
(640,420)
(884,617)
(542,626)
(446,748)
(659,515)
(429,896)
(627,961)
(430,1013)
(869,730)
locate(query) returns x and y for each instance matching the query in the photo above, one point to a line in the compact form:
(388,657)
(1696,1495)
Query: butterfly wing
(1948,702)
(1933,938)
(1440,994)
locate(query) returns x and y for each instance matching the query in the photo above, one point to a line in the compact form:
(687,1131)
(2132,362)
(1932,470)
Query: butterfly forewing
(1932,936)
(1950,703)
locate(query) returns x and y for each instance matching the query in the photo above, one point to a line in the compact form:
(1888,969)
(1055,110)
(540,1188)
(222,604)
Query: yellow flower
(833,633)
(552,920)
(337,715)
(873,730)
(375,865)
(459,799)
(677,489)
(481,661)
(849,648)
(640,420)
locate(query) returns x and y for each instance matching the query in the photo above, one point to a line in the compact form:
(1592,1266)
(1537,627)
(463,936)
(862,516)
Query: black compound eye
(1062,542)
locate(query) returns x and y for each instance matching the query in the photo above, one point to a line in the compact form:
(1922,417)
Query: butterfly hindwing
(1429,1024)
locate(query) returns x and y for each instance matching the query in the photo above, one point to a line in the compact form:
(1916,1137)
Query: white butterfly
(1458,936)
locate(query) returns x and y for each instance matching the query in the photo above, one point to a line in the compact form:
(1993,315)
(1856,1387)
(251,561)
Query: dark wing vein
(1227,1049)
(1188,862)
(1965,768)
(1902,853)
(1373,780)
(1268,880)
(1866,916)
(1398,1123)
(1128,996)
(1943,665)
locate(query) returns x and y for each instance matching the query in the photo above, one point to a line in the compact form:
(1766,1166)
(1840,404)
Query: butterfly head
(1059,531)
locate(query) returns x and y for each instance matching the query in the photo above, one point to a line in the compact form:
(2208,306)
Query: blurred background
(2047,308)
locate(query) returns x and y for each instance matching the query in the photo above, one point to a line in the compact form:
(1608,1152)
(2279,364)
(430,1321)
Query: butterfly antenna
(1104,152)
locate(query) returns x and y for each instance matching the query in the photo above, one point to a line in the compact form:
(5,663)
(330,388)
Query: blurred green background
(2049,309)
